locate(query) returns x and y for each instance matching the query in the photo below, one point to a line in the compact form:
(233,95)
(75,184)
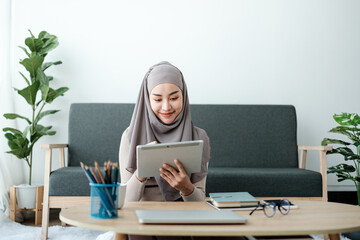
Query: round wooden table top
(311,217)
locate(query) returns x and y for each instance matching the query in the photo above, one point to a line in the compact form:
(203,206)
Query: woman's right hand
(136,175)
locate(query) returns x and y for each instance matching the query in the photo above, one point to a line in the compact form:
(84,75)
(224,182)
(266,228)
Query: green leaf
(44,35)
(45,113)
(14,116)
(347,119)
(32,64)
(327,141)
(32,35)
(26,131)
(346,152)
(49,64)
(25,50)
(44,83)
(29,93)
(9,136)
(19,145)
(53,94)
(342,131)
(49,45)
(27,81)
(40,131)
(13,130)
(341,168)
(34,44)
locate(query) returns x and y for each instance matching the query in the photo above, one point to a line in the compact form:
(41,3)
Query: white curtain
(11,168)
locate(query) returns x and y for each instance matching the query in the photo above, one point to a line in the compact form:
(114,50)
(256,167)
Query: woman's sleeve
(198,194)
(199,191)
(134,188)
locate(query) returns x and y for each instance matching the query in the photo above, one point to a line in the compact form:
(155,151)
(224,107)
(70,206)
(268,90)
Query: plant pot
(26,196)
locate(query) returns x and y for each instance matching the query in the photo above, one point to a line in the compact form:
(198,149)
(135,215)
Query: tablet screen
(151,157)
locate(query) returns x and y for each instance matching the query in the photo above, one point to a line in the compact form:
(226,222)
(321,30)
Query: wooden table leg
(335,236)
(119,236)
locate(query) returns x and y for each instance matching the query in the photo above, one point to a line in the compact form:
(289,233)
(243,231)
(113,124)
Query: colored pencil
(99,172)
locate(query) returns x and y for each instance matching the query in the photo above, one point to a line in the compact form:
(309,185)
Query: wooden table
(312,217)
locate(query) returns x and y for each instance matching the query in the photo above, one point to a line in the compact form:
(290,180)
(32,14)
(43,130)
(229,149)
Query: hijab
(145,127)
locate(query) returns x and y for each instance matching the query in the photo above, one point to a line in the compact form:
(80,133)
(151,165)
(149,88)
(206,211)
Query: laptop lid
(189,217)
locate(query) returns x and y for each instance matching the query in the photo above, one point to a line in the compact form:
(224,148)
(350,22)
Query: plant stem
(30,166)
(31,133)
(41,108)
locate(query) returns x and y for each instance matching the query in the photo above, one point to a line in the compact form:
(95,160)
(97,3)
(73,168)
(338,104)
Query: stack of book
(233,199)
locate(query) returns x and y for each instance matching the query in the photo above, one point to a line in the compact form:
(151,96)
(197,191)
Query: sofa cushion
(69,181)
(265,182)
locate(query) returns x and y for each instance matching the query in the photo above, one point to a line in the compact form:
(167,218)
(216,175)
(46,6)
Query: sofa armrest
(47,169)
(323,165)
(48,154)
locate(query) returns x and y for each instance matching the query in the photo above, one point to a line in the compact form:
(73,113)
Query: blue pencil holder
(104,200)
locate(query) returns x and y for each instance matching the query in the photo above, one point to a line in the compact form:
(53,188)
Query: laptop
(189,217)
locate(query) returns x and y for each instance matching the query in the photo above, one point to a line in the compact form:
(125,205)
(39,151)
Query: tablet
(150,158)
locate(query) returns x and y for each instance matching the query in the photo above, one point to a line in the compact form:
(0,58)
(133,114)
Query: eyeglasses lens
(269,209)
(284,207)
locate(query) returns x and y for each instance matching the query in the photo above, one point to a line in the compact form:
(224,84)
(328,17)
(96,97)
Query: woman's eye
(174,98)
(157,99)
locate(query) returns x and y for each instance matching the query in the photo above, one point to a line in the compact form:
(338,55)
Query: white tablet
(150,158)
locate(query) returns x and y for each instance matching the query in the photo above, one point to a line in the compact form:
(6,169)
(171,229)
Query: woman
(162,114)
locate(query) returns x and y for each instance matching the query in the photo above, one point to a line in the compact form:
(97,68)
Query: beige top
(148,190)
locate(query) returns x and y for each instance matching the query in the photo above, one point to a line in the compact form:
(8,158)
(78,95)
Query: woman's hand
(136,175)
(177,179)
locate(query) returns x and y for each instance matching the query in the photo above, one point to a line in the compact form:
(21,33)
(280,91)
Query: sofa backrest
(240,135)
(249,135)
(95,131)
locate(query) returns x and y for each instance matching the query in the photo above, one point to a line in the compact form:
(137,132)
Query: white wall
(305,53)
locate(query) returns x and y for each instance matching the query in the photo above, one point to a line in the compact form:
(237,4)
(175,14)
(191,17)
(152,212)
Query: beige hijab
(145,127)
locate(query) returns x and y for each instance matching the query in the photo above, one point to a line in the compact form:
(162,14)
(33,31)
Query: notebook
(233,199)
(189,217)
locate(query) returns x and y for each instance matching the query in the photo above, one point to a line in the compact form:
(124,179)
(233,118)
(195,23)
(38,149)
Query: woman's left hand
(177,179)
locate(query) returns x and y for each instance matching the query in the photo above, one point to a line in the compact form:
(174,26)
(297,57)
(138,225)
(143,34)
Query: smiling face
(166,101)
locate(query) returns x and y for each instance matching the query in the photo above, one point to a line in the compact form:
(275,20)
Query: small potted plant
(350,150)
(37,93)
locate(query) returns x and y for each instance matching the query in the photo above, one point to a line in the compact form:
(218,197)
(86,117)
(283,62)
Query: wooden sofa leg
(45,218)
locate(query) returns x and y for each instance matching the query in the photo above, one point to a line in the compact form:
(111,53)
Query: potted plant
(350,150)
(37,93)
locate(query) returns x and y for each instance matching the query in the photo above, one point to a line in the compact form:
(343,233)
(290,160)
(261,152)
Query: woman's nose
(166,105)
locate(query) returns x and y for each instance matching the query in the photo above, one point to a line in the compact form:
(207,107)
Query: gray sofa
(253,148)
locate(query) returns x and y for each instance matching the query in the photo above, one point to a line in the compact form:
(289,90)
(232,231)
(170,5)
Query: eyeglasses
(269,207)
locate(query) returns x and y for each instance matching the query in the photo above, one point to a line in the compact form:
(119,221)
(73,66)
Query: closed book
(233,199)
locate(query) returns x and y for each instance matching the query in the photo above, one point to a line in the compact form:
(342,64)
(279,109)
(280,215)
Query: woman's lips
(167,115)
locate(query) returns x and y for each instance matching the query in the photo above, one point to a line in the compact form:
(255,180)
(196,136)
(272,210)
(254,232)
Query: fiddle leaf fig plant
(350,150)
(37,93)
